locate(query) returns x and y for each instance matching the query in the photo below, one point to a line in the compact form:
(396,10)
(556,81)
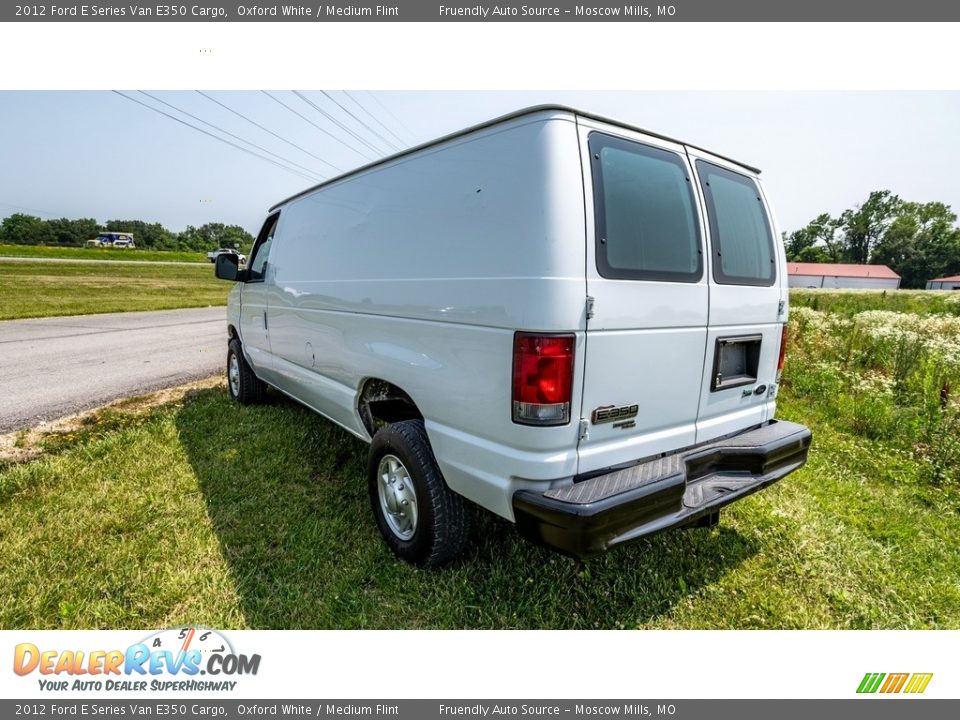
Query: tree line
(21,229)
(918,241)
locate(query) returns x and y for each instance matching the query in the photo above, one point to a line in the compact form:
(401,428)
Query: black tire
(246,388)
(443,518)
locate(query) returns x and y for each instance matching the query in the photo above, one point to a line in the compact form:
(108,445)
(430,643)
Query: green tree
(814,254)
(818,241)
(72,232)
(215,235)
(152,236)
(865,225)
(21,229)
(920,243)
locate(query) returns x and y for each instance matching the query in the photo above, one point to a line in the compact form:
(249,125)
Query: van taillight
(783,351)
(542,378)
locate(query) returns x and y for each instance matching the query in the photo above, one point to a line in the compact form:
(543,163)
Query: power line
(32,210)
(332,119)
(316,176)
(215,137)
(374,117)
(375,133)
(318,127)
(268,130)
(389,112)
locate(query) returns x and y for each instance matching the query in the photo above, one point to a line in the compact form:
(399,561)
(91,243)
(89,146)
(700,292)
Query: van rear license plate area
(736,361)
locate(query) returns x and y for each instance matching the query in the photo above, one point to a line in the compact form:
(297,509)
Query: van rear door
(746,299)
(647,297)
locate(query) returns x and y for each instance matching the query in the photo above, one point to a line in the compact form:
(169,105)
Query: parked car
(214,254)
(566,320)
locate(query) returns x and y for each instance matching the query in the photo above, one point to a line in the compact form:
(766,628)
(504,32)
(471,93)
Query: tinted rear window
(739,228)
(645,223)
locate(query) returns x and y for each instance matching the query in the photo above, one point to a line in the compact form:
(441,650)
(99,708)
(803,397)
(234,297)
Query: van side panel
(419,272)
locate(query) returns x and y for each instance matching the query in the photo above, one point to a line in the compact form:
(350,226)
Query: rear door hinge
(780,307)
(589,307)
(584,429)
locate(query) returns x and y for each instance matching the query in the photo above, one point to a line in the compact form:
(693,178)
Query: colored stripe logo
(894,683)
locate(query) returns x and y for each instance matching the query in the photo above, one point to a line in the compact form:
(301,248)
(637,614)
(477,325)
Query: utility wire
(389,112)
(318,127)
(371,115)
(334,120)
(348,112)
(268,130)
(316,176)
(215,137)
(27,209)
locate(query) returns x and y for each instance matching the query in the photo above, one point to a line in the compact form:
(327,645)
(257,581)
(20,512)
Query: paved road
(53,367)
(101,261)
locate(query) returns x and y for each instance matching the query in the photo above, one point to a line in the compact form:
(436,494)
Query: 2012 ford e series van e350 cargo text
(571,322)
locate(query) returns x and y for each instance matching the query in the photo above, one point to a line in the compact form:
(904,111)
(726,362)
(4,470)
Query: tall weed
(883,374)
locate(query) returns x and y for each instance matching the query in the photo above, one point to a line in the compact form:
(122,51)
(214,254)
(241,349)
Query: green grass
(38,289)
(206,512)
(94,253)
(851,302)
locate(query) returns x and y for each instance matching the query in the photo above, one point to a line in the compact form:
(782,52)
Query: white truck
(214,254)
(571,322)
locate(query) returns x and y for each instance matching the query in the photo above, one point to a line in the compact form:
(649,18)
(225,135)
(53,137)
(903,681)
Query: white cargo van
(566,320)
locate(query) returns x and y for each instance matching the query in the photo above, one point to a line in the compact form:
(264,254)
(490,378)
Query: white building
(841,275)
(944,283)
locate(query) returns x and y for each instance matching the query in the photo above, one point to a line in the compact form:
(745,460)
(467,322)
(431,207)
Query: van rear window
(739,229)
(645,223)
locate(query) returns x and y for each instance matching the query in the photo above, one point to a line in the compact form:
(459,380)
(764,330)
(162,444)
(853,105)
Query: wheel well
(383,403)
(231,332)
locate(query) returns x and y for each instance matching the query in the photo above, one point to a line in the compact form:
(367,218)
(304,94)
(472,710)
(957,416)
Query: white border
(498,56)
(654,664)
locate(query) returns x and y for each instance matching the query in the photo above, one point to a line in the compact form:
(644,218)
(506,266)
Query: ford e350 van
(568,321)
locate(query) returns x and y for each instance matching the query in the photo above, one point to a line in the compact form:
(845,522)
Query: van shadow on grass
(286,494)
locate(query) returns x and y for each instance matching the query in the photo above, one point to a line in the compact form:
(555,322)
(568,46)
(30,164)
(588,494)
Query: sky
(98,154)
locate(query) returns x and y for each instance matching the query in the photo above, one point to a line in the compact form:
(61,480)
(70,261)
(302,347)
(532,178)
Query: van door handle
(265,321)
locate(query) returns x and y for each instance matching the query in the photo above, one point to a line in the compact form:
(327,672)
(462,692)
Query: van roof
(533,109)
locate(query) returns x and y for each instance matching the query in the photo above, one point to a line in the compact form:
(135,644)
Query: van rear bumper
(595,514)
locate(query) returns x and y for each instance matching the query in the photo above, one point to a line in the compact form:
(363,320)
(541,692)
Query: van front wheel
(243,386)
(420,518)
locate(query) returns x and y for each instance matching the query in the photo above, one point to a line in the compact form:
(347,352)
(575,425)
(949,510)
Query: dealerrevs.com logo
(889,683)
(171,660)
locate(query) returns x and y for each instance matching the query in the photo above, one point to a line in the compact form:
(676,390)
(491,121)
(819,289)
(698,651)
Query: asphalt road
(52,367)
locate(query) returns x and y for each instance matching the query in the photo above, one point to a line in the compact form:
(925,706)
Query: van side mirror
(227,267)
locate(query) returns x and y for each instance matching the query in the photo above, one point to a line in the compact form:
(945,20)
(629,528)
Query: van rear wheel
(242,384)
(421,519)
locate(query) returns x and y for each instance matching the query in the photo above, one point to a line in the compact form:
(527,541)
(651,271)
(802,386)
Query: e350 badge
(185,652)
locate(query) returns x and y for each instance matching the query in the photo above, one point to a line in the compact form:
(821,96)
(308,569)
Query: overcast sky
(96,154)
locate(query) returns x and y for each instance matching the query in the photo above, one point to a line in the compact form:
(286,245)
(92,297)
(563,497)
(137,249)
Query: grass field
(38,289)
(848,303)
(93,253)
(205,512)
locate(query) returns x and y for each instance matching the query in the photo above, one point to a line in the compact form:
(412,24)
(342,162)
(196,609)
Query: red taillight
(783,351)
(542,378)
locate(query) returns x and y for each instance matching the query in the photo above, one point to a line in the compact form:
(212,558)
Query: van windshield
(739,227)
